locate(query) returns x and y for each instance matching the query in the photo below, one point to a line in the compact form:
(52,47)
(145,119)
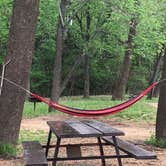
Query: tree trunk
(55,92)
(70,74)
(86,77)
(121,83)
(161,113)
(87,59)
(157,65)
(19,51)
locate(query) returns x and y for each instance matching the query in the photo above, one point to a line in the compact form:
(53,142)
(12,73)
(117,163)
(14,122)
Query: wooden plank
(73,151)
(84,129)
(34,154)
(62,129)
(107,130)
(131,149)
(31,145)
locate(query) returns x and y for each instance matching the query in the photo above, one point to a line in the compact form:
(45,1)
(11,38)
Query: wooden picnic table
(83,129)
(37,154)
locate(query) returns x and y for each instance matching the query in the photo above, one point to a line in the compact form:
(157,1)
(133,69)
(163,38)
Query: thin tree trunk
(19,51)
(157,65)
(86,77)
(69,75)
(121,83)
(55,92)
(87,58)
(161,113)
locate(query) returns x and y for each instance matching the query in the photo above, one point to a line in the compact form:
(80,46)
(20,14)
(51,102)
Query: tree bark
(161,113)
(70,74)
(157,65)
(19,51)
(121,82)
(86,77)
(55,92)
(87,58)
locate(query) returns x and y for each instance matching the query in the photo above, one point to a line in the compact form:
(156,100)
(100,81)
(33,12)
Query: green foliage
(43,59)
(108,36)
(161,143)
(138,79)
(5,14)
(7,150)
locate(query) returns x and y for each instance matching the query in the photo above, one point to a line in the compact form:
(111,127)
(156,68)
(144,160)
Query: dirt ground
(136,132)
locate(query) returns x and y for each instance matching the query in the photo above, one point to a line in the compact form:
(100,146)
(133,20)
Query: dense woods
(115,41)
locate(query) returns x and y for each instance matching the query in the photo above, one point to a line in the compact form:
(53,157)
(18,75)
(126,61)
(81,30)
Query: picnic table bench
(132,150)
(34,154)
(104,133)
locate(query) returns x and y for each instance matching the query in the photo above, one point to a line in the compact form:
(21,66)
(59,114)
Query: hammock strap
(3,74)
(18,86)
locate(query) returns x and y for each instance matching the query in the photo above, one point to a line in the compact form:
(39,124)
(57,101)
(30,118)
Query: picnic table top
(82,128)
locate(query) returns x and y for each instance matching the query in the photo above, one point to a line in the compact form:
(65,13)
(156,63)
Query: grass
(36,135)
(139,111)
(33,135)
(7,150)
(161,143)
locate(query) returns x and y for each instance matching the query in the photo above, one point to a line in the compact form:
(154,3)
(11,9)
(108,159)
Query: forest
(107,47)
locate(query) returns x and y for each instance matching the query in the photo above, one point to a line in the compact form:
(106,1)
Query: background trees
(108,32)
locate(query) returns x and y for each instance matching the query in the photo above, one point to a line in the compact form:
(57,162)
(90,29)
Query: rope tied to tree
(3,74)
(15,84)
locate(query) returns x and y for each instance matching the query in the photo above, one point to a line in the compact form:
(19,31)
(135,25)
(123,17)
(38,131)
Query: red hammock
(104,111)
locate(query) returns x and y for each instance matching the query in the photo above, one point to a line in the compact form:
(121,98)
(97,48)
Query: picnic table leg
(48,142)
(34,106)
(101,151)
(117,150)
(56,151)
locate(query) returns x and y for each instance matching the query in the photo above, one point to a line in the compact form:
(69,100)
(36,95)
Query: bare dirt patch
(136,132)
(153,104)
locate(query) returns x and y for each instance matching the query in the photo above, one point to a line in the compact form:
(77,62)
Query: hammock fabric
(100,112)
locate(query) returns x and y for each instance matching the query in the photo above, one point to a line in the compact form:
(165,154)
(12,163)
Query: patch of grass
(41,110)
(161,143)
(34,135)
(153,100)
(138,111)
(7,150)
(31,135)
